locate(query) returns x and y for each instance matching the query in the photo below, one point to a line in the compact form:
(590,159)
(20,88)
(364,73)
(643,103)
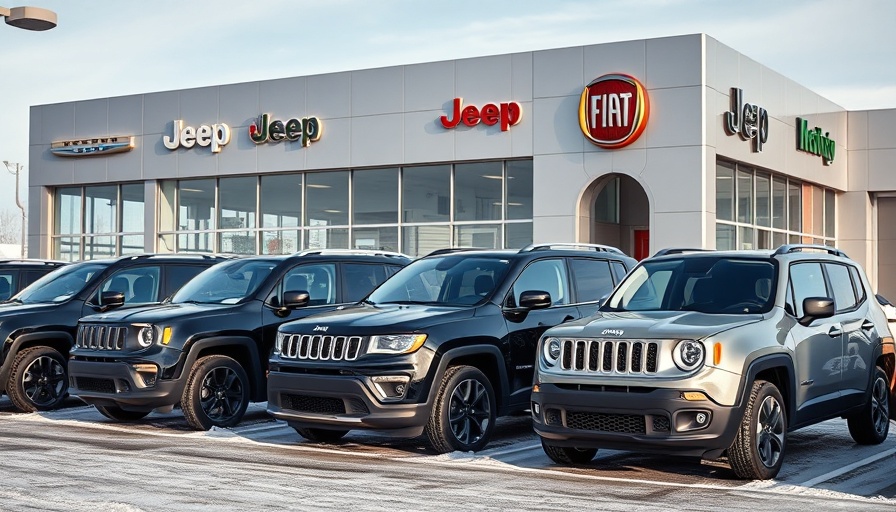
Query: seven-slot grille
(609,356)
(101,337)
(321,347)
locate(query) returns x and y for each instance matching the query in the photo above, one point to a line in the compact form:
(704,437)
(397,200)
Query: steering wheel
(743,307)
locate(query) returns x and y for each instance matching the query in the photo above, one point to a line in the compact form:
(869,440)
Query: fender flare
(16,346)
(480,349)
(256,375)
(764,363)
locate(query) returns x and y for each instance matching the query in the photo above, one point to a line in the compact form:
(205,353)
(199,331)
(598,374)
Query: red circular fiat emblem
(613,110)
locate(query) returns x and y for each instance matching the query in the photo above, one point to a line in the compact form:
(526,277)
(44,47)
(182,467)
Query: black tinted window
(807,281)
(592,279)
(857,284)
(7,284)
(361,279)
(841,285)
(178,275)
(619,270)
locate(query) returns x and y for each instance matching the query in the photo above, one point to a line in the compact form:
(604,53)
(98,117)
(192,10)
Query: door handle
(867,325)
(835,331)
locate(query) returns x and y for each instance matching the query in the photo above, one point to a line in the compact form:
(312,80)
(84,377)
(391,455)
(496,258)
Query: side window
(857,284)
(618,270)
(30,276)
(140,285)
(807,281)
(318,279)
(178,275)
(841,285)
(391,270)
(360,279)
(544,275)
(592,278)
(7,284)
(647,292)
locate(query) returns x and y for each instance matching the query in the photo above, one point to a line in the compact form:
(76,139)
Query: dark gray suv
(708,353)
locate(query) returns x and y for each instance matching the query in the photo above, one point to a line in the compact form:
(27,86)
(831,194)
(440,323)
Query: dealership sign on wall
(507,114)
(747,120)
(812,141)
(96,146)
(613,111)
(215,135)
(305,130)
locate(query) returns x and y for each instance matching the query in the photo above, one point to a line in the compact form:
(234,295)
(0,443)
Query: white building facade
(669,142)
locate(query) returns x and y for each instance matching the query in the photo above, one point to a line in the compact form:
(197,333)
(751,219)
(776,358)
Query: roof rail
(449,250)
(357,252)
(679,250)
(785,249)
(186,255)
(35,261)
(572,246)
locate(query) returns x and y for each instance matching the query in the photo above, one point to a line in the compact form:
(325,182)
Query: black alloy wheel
(463,417)
(38,380)
(217,393)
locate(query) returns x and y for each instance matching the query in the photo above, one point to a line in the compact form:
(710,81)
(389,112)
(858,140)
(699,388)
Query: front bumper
(650,420)
(340,402)
(117,383)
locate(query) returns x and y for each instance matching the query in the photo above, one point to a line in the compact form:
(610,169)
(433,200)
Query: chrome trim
(320,347)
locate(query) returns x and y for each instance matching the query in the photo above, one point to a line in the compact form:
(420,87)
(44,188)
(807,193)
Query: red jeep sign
(613,111)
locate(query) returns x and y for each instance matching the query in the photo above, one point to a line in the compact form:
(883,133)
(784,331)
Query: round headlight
(146,336)
(688,355)
(551,351)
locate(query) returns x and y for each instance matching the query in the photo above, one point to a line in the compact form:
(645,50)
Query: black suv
(38,324)
(15,275)
(443,347)
(208,348)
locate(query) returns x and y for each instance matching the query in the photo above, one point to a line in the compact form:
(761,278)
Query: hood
(393,318)
(154,314)
(654,324)
(8,309)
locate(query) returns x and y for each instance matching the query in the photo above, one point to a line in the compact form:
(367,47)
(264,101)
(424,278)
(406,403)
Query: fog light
(686,421)
(390,387)
(148,373)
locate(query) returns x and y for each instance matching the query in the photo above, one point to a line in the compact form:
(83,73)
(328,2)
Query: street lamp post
(18,168)
(29,18)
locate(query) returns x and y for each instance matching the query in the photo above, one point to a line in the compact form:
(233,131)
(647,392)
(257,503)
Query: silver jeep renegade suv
(703,353)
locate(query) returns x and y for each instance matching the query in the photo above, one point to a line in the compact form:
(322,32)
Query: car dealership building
(670,142)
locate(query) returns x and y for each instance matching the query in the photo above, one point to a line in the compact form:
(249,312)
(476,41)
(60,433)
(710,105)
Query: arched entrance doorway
(615,211)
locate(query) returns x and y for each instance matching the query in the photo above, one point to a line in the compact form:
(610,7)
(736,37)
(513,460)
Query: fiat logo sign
(613,111)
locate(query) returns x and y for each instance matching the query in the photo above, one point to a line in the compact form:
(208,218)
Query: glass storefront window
(829,217)
(237,242)
(280,242)
(196,205)
(101,209)
(606,205)
(195,242)
(745,238)
(281,202)
(519,235)
(519,190)
(327,238)
(725,191)
(745,197)
(763,200)
(794,207)
(477,191)
(421,240)
(132,211)
(779,203)
(326,199)
(237,203)
(375,197)
(68,211)
(725,237)
(484,236)
(426,193)
(817,211)
(382,239)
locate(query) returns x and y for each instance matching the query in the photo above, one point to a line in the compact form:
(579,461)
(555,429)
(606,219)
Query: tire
(758,448)
(321,435)
(216,394)
(568,455)
(113,412)
(871,425)
(38,380)
(463,415)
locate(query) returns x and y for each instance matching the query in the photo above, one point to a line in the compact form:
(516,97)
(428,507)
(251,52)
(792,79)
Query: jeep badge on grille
(321,328)
(614,332)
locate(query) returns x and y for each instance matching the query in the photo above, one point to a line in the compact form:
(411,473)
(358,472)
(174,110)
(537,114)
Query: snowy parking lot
(75,459)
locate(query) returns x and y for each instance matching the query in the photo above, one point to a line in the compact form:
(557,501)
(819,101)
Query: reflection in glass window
(519,235)
(236,202)
(382,238)
(725,237)
(237,242)
(794,206)
(280,242)
(326,199)
(68,211)
(779,203)
(335,238)
(425,193)
(592,277)
(478,191)
(196,205)
(422,240)
(375,194)
(744,196)
(763,200)
(519,189)
(829,219)
(100,209)
(841,286)
(132,210)
(725,191)
(545,276)
(807,281)
(483,236)
(281,201)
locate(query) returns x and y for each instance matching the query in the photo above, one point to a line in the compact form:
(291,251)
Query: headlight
(688,355)
(146,336)
(551,351)
(395,343)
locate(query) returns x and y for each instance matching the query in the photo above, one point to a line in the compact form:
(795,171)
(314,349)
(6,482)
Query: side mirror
(815,308)
(534,299)
(109,300)
(295,299)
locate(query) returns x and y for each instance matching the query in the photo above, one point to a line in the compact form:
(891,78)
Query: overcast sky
(843,50)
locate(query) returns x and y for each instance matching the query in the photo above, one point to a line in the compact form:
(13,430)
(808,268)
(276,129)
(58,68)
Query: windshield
(59,285)
(449,281)
(706,284)
(226,283)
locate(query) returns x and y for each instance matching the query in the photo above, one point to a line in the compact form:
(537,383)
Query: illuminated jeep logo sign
(613,111)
